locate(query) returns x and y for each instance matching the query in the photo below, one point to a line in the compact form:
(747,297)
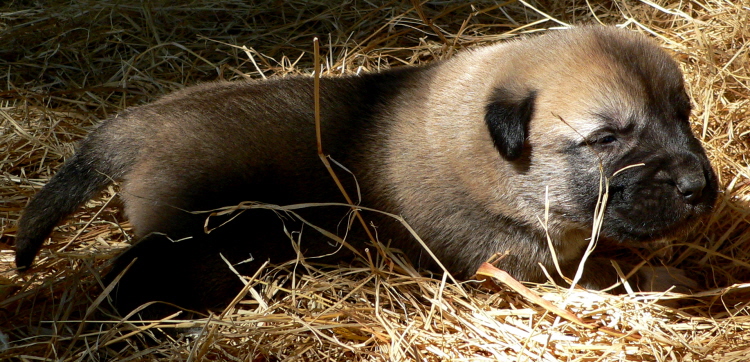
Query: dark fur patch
(508,119)
(673,183)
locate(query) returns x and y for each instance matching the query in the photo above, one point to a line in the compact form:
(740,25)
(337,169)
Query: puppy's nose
(691,186)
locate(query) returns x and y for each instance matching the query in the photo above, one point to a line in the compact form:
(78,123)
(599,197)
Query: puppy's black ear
(508,120)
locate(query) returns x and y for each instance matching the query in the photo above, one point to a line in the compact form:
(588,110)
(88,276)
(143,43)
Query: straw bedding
(67,65)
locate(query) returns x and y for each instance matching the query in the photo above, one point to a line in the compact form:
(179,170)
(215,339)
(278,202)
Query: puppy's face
(622,114)
(658,175)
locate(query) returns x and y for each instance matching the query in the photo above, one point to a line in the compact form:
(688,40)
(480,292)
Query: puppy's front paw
(662,278)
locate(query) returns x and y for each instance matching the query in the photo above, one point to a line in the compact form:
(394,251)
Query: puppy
(468,151)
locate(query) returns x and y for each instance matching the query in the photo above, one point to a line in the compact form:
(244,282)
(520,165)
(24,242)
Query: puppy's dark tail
(79,179)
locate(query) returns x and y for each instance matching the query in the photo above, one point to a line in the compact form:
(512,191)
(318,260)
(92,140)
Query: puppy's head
(594,102)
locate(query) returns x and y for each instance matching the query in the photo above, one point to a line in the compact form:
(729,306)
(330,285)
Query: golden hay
(66,65)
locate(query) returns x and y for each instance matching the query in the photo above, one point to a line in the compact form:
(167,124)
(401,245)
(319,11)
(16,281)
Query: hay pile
(66,65)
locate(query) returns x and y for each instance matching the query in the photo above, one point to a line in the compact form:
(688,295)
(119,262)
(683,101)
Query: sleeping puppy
(463,149)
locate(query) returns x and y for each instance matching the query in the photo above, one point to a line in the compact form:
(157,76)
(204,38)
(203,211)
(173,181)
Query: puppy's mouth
(653,211)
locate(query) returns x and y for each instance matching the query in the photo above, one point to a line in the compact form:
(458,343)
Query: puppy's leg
(188,273)
(662,278)
(600,274)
